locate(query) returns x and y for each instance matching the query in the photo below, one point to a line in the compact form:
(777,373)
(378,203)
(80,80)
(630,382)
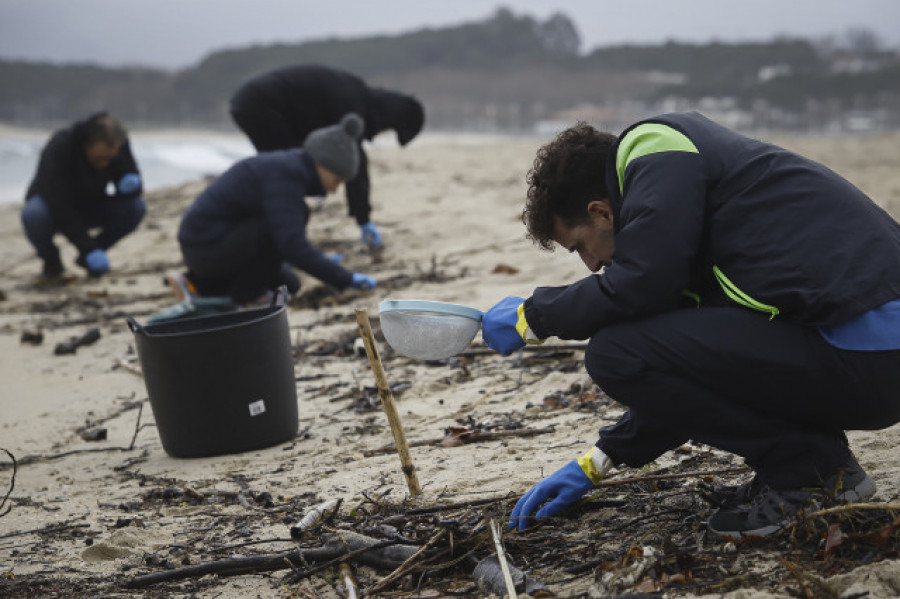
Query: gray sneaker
(733,496)
(771,509)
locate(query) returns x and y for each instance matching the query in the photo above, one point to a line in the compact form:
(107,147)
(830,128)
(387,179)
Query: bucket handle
(281,296)
(134,326)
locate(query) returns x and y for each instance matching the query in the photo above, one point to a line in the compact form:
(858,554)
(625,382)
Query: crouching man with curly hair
(741,296)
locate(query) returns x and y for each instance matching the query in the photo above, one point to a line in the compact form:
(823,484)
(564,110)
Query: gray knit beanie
(336,147)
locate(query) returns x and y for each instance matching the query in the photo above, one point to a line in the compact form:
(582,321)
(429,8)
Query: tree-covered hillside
(506,72)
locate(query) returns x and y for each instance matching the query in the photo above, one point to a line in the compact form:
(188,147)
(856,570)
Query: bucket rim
(195,326)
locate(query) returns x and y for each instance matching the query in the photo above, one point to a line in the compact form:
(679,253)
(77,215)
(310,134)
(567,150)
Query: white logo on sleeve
(257,407)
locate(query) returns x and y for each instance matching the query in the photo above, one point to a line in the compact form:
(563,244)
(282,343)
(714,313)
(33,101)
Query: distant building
(602,117)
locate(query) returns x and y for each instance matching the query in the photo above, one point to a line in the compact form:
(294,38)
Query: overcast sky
(177,33)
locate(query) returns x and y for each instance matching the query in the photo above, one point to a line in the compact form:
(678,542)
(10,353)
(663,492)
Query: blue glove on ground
(498,326)
(362,281)
(96,261)
(563,488)
(370,235)
(129,183)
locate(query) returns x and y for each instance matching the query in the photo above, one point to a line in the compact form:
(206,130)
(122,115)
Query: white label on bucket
(257,407)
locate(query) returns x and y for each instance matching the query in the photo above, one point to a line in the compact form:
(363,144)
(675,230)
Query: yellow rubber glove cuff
(590,466)
(522,328)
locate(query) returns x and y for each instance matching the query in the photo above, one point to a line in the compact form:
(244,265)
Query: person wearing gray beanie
(336,148)
(244,235)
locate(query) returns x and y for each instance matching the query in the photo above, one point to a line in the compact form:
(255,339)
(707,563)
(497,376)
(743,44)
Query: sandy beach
(85,517)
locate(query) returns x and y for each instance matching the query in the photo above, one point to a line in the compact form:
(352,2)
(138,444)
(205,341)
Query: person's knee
(609,363)
(36,217)
(136,212)
(125,217)
(36,211)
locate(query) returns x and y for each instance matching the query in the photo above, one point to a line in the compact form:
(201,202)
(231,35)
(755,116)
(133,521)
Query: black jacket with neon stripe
(702,210)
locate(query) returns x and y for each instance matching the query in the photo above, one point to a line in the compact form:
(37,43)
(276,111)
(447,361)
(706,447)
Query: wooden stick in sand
(387,401)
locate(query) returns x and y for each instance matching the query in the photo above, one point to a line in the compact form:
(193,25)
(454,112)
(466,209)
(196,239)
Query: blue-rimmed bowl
(428,330)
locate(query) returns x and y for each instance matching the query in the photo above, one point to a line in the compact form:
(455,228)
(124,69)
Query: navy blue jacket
(72,187)
(271,186)
(699,209)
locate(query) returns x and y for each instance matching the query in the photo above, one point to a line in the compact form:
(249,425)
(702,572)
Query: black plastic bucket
(220,384)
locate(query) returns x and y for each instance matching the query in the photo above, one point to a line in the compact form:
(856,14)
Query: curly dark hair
(567,174)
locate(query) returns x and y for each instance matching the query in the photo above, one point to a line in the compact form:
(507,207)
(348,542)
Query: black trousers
(242,265)
(771,391)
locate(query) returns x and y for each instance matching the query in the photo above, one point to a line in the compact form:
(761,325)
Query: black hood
(391,110)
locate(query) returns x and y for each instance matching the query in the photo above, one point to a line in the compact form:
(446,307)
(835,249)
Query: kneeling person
(86,179)
(244,233)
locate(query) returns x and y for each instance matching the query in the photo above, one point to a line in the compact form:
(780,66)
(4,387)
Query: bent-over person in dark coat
(278,109)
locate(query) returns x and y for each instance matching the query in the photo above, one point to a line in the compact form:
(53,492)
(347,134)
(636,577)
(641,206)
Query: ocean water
(165,158)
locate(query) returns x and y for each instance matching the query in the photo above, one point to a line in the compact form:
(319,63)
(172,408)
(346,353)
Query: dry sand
(448,206)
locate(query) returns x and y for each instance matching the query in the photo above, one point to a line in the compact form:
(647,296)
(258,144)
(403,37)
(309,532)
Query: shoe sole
(861,491)
(742,534)
(181,288)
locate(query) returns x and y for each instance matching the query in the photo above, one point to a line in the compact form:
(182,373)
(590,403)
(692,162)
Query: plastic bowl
(428,330)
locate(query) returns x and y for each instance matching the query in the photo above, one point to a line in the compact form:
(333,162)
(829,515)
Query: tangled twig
(4,508)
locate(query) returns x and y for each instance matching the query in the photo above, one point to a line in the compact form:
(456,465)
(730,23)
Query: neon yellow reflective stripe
(522,327)
(733,292)
(649,138)
(521,323)
(587,465)
(692,295)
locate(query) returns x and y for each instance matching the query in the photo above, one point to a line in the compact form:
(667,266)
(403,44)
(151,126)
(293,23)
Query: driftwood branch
(135,370)
(387,402)
(501,559)
(34,458)
(346,546)
(820,589)
(446,507)
(855,507)
(43,530)
(241,565)
(482,351)
(350,589)
(4,508)
(405,566)
(137,426)
(466,438)
(643,478)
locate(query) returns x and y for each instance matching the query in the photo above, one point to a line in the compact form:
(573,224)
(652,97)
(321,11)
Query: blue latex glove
(563,488)
(362,281)
(129,183)
(370,235)
(97,261)
(336,258)
(498,326)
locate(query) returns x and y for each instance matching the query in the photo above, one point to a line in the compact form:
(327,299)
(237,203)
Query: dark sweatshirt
(271,186)
(72,187)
